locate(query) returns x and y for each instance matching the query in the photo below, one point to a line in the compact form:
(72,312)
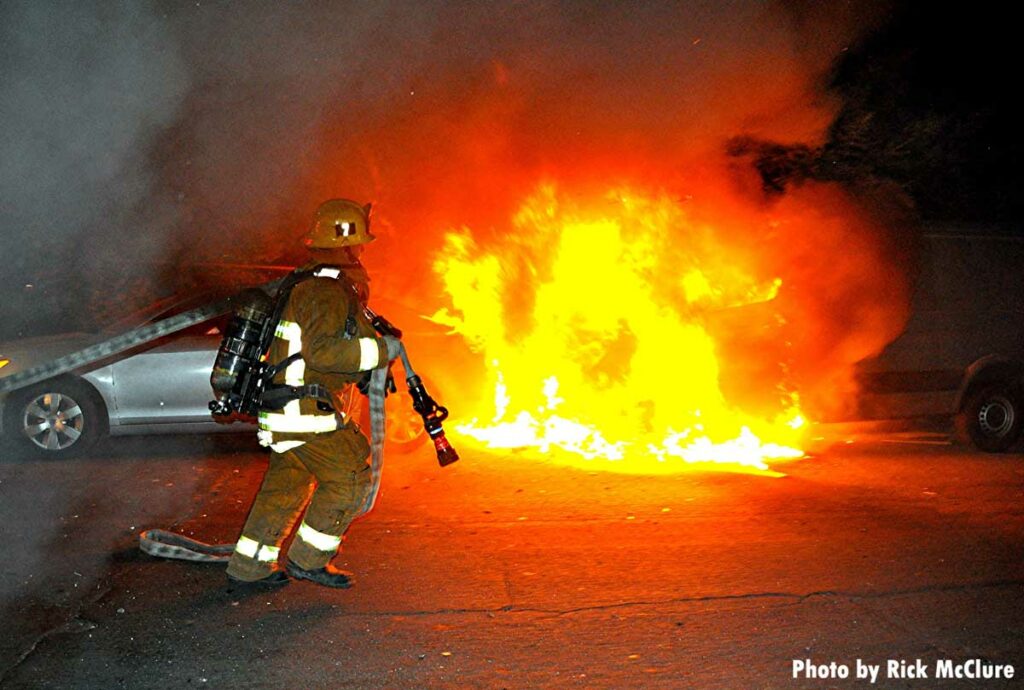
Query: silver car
(162,389)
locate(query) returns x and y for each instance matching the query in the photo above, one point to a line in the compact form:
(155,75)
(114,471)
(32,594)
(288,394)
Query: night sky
(929,102)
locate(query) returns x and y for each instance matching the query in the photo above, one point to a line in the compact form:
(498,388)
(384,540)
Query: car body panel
(966,309)
(30,352)
(164,388)
(166,384)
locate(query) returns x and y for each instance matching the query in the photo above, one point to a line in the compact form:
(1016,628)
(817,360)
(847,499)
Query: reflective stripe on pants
(263,553)
(318,540)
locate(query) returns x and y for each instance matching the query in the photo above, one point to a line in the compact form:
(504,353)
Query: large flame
(592,315)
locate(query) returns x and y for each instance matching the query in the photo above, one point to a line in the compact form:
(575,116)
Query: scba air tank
(240,352)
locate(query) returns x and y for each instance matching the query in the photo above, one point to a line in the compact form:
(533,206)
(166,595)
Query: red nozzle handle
(446,455)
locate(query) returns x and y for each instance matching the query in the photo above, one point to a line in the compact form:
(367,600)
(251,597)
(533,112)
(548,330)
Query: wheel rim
(53,421)
(404,428)
(406,425)
(996,416)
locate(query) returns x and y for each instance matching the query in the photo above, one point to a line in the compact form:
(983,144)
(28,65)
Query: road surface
(508,572)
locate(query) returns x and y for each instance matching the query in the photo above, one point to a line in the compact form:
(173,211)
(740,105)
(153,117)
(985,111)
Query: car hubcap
(404,426)
(53,421)
(996,416)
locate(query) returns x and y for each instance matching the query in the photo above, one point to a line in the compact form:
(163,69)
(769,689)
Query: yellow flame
(591,318)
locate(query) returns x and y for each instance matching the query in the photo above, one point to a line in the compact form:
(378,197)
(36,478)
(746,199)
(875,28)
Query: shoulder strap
(335,271)
(278,394)
(284,291)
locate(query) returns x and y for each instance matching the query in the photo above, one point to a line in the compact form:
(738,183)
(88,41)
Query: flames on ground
(633,330)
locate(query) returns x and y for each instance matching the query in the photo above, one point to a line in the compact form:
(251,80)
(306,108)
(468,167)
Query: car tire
(990,418)
(403,429)
(60,418)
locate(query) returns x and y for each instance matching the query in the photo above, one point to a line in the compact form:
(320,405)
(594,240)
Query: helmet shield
(340,223)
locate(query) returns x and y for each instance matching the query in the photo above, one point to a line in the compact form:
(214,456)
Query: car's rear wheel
(404,427)
(60,418)
(990,418)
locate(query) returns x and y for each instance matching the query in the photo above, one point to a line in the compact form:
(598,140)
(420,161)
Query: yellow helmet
(340,223)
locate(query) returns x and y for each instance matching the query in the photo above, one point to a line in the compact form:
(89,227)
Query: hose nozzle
(433,415)
(446,455)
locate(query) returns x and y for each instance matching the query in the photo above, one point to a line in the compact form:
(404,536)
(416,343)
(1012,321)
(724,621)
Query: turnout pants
(335,466)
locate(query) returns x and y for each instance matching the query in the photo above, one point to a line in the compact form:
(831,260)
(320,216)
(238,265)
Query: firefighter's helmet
(340,223)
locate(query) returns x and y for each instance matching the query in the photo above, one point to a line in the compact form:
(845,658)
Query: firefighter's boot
(328,576)
(274,579)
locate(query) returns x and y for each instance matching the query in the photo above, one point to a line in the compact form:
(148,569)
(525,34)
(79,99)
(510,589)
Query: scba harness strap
(277,396)
(280,411)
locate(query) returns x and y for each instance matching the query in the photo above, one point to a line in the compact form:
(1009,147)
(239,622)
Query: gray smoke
(84,89)
(188,133)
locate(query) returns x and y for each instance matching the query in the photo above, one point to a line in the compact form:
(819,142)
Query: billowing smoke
(85,91)
(147,137)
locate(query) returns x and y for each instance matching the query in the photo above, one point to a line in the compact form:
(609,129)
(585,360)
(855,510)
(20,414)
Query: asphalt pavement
(505,571)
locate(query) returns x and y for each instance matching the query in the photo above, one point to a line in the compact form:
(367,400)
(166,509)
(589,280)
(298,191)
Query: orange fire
(593,316)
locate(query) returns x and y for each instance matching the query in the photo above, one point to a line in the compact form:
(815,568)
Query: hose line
(376,394)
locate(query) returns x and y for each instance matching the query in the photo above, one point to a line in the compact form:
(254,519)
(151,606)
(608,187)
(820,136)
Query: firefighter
(314,444)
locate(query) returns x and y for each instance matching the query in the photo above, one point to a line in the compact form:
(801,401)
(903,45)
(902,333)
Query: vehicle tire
(403,430)
(990,418)
(60,418)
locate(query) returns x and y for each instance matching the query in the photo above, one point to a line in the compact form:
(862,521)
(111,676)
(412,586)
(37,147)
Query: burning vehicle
(629,333)
(639,331)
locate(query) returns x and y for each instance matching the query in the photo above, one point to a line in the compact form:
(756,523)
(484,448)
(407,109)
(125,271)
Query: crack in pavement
(795,597)
(70,625)
(73,624)
(508,590)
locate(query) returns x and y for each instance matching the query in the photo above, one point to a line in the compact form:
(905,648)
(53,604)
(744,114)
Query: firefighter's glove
(363,384)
